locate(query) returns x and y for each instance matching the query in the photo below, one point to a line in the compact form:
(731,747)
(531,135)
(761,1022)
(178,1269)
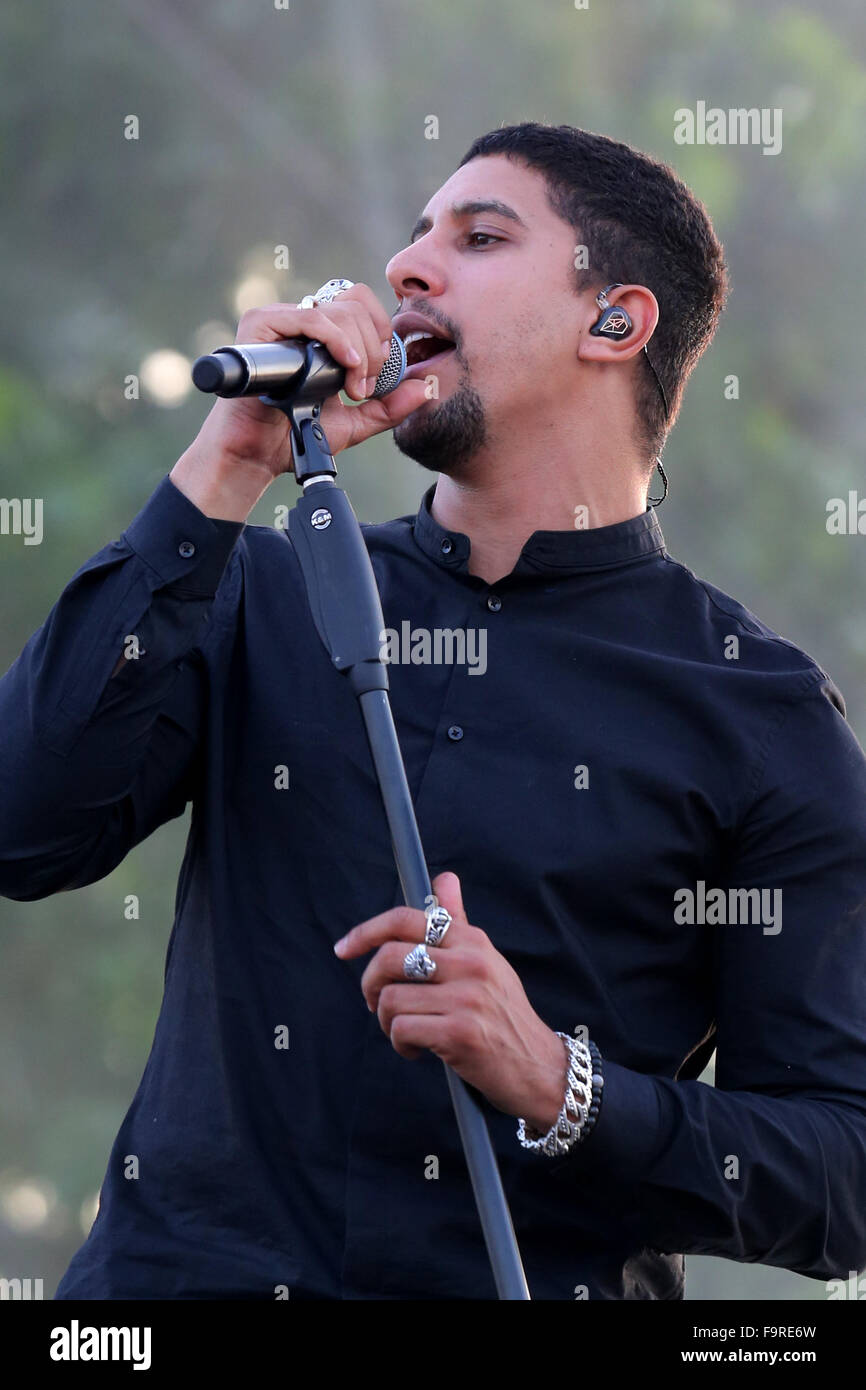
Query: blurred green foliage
(306,127)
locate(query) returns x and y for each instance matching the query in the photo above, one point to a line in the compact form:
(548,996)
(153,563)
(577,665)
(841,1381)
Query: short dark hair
(641,225)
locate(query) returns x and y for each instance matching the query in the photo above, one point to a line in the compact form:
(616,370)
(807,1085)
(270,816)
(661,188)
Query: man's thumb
(383,412)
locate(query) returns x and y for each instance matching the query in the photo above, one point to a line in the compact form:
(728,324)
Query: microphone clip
(311,452)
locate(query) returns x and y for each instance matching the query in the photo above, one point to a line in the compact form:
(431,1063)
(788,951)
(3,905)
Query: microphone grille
(392,373)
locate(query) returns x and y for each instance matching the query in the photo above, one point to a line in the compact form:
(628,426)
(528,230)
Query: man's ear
(642,308)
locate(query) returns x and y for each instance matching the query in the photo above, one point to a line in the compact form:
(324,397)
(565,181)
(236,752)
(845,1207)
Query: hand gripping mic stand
(347,611)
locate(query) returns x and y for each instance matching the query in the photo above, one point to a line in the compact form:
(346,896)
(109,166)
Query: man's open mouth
(422,346)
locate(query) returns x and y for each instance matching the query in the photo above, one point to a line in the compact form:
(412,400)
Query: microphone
(270,369)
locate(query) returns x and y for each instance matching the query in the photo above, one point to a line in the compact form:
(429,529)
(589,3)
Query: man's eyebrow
(471,209)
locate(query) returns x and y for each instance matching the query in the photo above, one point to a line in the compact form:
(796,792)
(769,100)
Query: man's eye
(488,236)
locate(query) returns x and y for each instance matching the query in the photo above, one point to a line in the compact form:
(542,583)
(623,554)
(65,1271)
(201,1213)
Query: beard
(443,436)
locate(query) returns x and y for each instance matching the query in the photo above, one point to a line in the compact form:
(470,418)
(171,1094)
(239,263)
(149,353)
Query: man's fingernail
(354,356)
(338,946)
(386,346)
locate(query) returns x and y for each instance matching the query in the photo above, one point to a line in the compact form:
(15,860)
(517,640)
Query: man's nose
(413,271)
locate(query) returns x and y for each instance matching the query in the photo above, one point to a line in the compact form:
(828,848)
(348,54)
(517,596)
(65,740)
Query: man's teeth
(421,335)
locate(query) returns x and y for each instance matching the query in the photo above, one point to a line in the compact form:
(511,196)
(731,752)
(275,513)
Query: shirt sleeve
(769,1165)
(92,760)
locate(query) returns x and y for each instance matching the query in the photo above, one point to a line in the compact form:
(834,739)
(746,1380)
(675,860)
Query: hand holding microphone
(297,370)
(243,444)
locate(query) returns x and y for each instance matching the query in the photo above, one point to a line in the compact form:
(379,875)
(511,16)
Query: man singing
(646,815)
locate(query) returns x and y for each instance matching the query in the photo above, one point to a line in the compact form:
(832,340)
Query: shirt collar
(547,552)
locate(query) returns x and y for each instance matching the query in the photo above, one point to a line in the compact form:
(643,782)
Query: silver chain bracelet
(582,1096)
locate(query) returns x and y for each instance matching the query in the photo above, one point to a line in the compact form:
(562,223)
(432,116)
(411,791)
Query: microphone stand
(347,611)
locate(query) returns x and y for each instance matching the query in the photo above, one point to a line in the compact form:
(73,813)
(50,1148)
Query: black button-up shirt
(617,746)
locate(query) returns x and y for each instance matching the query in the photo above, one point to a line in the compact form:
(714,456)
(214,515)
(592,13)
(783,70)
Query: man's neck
(499,502)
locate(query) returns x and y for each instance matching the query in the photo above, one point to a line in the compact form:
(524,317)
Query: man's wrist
(222,489)
(549,1097)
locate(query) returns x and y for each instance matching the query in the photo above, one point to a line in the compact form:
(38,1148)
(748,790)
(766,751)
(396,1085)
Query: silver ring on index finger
(325,294)
(438,922)
(331,289)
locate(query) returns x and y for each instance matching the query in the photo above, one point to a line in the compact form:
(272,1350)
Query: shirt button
(186,549)
(494,603)
(447,546)
(455,732)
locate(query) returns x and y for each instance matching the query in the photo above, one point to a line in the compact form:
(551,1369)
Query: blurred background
(304,125)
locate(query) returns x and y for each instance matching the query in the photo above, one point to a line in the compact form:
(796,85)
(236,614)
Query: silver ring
(438,921)
(331,289)
(418,965)
(325,293)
